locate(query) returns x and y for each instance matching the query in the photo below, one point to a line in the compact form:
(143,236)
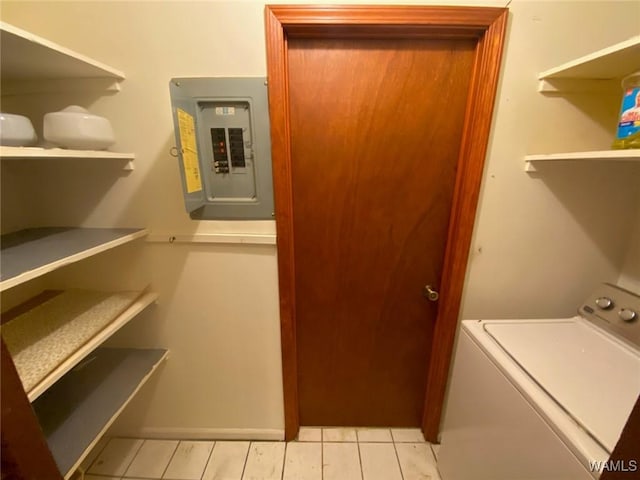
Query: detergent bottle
(628,135)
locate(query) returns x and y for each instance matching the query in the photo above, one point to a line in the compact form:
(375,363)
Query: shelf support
(222,238)
(559,86)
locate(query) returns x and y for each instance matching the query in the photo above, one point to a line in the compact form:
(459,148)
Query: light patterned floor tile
(309,434)
(407,435)
(152,459)
(417,461)
(341,461)
(381,454)
(339,435)
(227,461)
(379,461)
(265,461)
(189,460)
(374,435)
(303,461)
(115,457)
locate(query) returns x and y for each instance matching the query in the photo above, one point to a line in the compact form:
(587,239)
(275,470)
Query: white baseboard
(209,433)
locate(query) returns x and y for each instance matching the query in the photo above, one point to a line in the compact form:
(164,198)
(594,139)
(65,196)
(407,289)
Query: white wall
(541,241)
(630,274)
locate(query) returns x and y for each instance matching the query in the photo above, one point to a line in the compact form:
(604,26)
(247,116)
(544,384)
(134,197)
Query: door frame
(487,26)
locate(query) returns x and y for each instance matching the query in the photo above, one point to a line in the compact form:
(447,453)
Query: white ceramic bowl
(16,130)
(74,127)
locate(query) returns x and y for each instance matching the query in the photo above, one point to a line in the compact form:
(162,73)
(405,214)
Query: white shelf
(76,412)
(17,153)
(27,57)
(595,69)
(30,253)
(38,153)
(631,155)
(52,333)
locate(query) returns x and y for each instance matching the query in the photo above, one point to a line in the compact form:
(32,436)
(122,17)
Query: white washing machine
(543,399)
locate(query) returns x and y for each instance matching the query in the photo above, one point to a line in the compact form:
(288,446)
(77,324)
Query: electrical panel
(224,151)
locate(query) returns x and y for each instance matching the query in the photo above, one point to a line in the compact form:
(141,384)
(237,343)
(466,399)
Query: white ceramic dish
(75,128)
(16,130)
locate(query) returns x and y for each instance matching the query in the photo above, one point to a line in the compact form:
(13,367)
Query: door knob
(430,293)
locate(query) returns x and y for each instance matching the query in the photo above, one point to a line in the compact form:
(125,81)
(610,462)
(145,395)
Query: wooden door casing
(375,137)
(487,27)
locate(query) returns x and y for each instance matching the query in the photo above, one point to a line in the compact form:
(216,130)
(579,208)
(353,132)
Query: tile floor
(318,454)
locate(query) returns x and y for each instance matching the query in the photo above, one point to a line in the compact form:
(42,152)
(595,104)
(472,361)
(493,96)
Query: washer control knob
(627,315)
(604,303)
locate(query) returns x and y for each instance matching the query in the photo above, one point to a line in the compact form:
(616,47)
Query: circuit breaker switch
(236,146)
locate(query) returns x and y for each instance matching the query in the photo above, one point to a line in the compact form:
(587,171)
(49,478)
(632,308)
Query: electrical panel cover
(224,150)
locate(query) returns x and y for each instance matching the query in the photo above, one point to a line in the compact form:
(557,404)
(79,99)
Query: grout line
(359,456)
(433,452)
(169,462)
(134,457)
(435,459)
(321,456)
(246,458)
(397,458)
(284,460)
(208,460)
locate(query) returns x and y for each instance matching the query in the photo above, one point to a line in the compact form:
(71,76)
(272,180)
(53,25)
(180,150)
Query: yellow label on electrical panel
(189,151)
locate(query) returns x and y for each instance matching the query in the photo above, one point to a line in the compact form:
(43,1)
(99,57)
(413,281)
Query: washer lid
(592,376)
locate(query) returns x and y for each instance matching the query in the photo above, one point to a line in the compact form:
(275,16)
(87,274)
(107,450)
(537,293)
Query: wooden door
(375,137)
(361,201)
